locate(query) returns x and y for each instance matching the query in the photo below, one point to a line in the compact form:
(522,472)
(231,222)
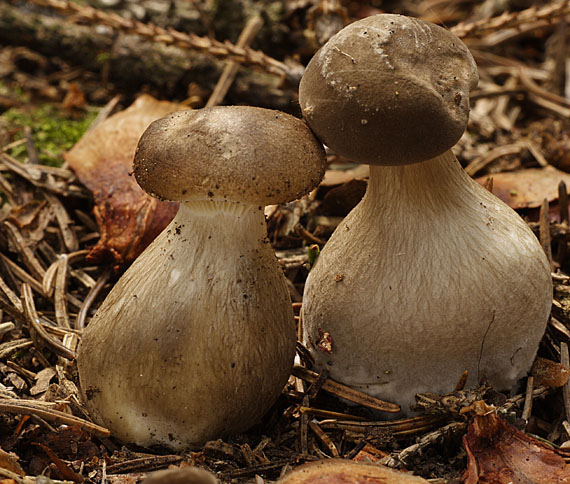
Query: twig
(11,346)
(481,162)
(105,112)
(346,392)
(64,222)
(527,409)
(143,464)
(247,35)
(304,429)
(565,360)
(563,202)
(306,235)
(400,428)
(506,20)
(34,321)
(544,228)
(324,438)
(427,440)
(30,147)
(38,176)
(90,299)
(60,291)
(28,256)
(329,414)
(24,407)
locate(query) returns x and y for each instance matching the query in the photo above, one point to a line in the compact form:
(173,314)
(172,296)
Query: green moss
(53,130)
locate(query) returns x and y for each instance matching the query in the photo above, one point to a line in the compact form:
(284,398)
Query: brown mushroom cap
(389,90)
(235,153)
(181,475)
(340,471)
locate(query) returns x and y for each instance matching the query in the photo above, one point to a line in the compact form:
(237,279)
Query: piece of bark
(128,218)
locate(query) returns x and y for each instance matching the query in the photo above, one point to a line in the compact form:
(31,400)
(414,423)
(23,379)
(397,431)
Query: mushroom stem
(427,250)
(206,307)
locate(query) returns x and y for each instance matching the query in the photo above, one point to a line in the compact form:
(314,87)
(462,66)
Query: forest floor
(66,68)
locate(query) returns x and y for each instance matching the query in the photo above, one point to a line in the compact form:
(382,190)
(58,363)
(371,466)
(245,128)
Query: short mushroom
(197,338)
(430,274)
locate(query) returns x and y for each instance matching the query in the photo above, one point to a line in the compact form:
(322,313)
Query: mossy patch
(53,130)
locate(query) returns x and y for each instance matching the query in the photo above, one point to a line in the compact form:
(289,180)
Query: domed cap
(233,153)
(389,90)
(341,471)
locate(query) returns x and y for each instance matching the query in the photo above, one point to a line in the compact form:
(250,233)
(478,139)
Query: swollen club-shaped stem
(430,274)
(197,338)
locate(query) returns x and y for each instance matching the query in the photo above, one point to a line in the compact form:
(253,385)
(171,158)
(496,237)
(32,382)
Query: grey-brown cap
(388,90)
(235,153)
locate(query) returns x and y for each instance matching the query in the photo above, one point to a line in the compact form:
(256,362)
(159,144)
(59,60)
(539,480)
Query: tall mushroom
(197,338)
(430,274)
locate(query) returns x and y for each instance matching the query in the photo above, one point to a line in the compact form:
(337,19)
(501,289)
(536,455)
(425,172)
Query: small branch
(23,407)
(346,392)
(247,35)
(506,20)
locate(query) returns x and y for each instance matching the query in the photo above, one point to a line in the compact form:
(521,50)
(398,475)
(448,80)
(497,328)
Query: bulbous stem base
(428,276)
(197,338)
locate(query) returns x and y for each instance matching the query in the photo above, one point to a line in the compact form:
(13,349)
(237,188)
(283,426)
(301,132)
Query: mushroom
(341,471)
(197,338)
(430,274)
(181,475)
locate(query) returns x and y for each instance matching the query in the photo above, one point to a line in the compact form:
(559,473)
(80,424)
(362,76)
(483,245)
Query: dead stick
(527,409)
(563,202)
(34,321)
(21,408)
(565,360)
(247,35)
(544,228)
(346,392)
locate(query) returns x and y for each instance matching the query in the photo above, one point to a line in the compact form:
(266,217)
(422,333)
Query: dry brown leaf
(128,218)
(549,373)
(9,461)
(43,381)
(527,188)
(499,453)
(75,98)
(31,218)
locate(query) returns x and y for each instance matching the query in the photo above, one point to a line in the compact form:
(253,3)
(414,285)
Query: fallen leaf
(128,218)
(499,453)
(9,461)
(549,373)
(370,454)
(75,98)
(527,188)
(43,379)
(31,218)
